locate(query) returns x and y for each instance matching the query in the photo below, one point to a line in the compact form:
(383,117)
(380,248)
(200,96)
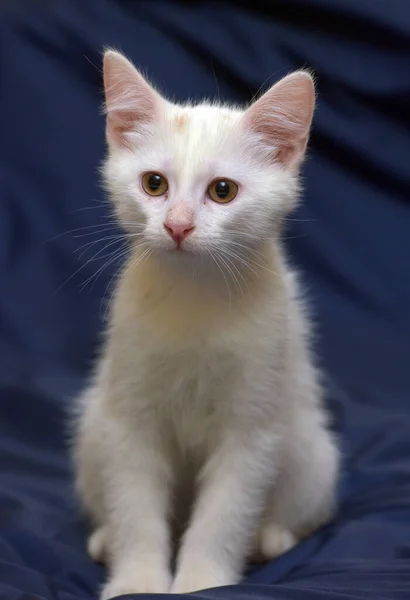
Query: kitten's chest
(190,391)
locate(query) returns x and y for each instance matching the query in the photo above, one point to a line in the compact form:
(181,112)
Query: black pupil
(222,189)
(154,182)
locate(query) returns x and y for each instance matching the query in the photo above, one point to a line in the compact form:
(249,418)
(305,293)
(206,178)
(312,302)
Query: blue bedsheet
(350,237)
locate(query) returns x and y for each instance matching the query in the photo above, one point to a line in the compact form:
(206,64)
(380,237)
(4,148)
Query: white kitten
(205,411)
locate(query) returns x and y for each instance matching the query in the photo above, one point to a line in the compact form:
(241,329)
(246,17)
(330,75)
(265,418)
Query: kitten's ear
(129,99)
(281,118)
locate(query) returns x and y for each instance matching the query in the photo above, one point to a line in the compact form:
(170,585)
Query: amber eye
(154,184)
(222,191)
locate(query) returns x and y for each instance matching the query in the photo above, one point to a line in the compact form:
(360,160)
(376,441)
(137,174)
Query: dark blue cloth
(350,237)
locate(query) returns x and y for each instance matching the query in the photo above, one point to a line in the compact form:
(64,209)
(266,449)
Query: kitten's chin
(180,257)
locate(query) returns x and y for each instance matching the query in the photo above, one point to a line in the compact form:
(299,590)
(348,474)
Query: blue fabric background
(350,238)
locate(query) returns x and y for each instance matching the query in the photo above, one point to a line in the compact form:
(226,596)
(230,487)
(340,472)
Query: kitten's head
(205,179)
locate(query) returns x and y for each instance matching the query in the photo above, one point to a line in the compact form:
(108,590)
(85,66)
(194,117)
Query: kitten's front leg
(137,484)
(231,495)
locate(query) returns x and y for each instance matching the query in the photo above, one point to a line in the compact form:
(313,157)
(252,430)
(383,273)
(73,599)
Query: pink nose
(179,232)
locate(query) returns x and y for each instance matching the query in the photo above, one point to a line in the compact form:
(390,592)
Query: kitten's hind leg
(96,545)
(272,541)
(304,495)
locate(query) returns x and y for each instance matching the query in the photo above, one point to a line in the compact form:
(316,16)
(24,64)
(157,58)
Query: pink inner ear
(282,118)
(129,99)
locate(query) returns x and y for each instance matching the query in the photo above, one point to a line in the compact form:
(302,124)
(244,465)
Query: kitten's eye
(154,184)
(222,191)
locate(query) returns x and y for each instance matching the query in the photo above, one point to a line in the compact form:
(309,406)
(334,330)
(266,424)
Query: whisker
(93,233)
(115,275)
(224,261)
(300,220)
(247,248)
(95,276)
(240,258)
(86,247)
(294,237)
(234,266)
(96,226)
(119,237)
(97,254)
(99,204)
(83,266)
(211,254)
(248,261)
(112,227)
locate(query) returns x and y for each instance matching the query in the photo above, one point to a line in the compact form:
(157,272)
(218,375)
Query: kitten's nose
(179,231)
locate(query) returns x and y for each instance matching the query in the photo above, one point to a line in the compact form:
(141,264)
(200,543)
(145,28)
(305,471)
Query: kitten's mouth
(178,248)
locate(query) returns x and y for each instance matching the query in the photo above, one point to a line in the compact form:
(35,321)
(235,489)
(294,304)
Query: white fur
(204,416)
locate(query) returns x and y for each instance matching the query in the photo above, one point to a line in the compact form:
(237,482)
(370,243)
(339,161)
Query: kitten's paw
(193,580)
(275,540)
(140,581)
(96,545)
